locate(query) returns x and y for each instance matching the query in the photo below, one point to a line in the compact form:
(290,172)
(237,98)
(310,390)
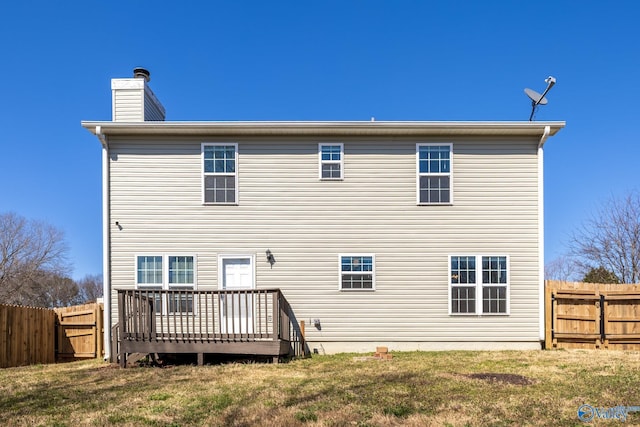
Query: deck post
(200,359)
(275,300)
(123,327)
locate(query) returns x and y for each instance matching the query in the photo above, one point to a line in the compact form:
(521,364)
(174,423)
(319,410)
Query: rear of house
(413,235)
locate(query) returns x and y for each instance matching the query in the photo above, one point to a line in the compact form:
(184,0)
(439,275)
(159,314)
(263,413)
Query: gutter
(541,302)
(319,129)
(106,243)
(102,137)
(545,135)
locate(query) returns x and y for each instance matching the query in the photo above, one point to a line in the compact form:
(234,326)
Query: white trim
(479,285)
(449,174)
(545,135)
(340,162)
(106,248)
(165,271)
(327,129)
(222,257)
(194,285)
(541,303)
(204,174)
(373,271)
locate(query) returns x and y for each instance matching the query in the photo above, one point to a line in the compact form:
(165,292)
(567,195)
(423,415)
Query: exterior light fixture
(270,258)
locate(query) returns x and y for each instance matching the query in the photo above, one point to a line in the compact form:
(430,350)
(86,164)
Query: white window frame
(206,174)
(165,271)
(419,174)
(333,162)
(373,272)
(149,285)
(165,285)
(479,285)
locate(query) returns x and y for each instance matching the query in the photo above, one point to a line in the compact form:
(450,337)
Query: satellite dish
(539,99)
(535,97)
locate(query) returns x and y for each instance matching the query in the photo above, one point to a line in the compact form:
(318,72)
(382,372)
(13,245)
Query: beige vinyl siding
(136,105)
(152,111)
(156,196)
(128,105)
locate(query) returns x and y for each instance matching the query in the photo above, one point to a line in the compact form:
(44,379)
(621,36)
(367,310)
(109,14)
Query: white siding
(153,110)
(156,196)
(134,101)
(128,106)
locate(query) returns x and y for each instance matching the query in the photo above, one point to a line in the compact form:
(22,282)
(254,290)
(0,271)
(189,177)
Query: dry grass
(414,389)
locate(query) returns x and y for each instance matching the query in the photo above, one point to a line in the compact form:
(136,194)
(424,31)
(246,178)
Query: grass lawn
(415,388)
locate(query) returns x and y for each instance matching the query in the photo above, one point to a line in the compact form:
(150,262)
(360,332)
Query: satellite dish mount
(539,99)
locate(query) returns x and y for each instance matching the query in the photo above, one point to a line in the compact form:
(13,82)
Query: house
(239,237)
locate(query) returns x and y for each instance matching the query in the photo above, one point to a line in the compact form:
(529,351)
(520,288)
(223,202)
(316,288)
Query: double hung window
(479,284)
(168,272)
(434,173)
(220,177)
(357,272)
(330,156)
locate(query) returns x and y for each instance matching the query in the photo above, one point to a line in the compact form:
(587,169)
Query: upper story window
(220,181)
(434,173)
(479,284)
(331,160)
(357,272)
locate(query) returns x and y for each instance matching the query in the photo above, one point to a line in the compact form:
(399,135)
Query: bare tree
(611,239)
(28,250)
(562,268)
(90,287)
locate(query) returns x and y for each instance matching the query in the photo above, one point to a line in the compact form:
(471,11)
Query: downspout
(106,243)
(541,304)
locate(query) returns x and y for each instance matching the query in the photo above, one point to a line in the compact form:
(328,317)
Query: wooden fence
(27,336)
(31,335)
(79,332)
(587,315)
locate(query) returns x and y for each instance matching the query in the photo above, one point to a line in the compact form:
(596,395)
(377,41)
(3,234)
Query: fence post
(548,325)
(100,329)
(603,321)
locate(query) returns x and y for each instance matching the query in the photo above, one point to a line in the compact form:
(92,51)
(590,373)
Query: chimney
(133,100)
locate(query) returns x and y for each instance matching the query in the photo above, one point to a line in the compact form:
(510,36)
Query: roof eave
(343,128)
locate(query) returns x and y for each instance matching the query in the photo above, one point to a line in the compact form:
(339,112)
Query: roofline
(332,128)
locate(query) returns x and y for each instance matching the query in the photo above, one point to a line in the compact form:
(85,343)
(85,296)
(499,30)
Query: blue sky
(315,60)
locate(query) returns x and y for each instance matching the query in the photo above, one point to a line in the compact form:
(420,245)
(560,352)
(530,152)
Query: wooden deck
(256,322)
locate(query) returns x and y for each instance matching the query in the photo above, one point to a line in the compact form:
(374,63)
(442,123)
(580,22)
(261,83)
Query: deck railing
(207,316)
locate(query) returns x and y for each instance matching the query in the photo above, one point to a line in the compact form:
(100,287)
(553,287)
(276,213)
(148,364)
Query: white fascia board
(346,128)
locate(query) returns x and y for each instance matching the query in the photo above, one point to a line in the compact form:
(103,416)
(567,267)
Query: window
(149,270)
(168,272)
(494,284)
(330,161)
(463,284)
(220,184)
(181,270)
(491,283)
(434,173)
(357,272)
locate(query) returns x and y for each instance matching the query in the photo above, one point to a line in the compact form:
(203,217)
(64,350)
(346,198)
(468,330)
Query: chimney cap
(142,73)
